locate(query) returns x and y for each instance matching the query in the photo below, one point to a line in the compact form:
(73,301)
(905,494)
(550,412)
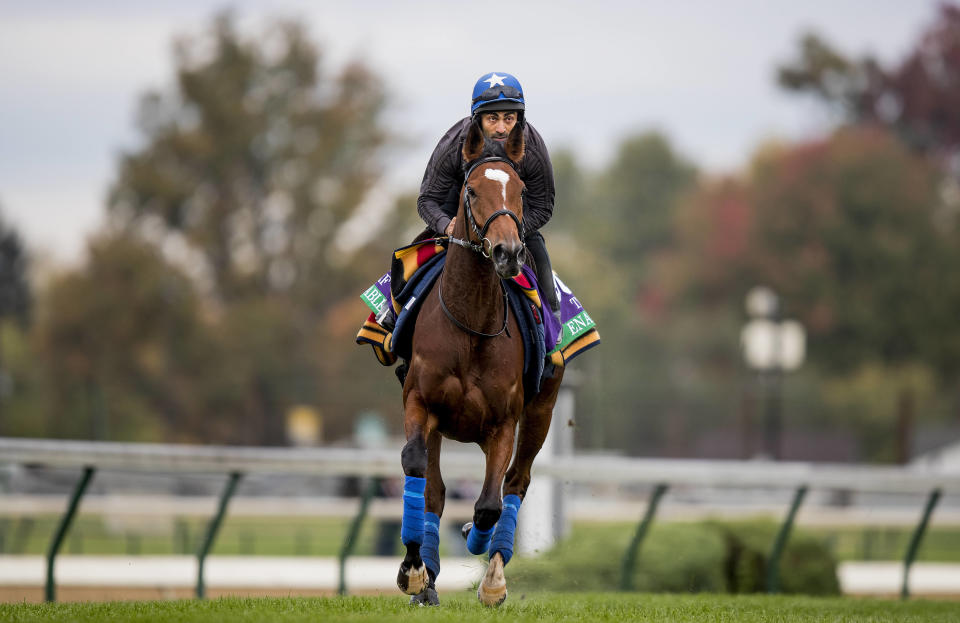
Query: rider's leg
(404,366)
(538,248)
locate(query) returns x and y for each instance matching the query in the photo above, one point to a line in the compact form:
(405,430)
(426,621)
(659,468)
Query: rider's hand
(449,230)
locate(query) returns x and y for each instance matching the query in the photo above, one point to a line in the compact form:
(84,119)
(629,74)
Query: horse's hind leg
(412,577)
(435,496)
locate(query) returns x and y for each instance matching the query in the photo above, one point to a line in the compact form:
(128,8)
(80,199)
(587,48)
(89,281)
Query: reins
(464,327)
(484,248)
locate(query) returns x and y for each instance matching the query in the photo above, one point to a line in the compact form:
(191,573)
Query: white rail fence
(931,480)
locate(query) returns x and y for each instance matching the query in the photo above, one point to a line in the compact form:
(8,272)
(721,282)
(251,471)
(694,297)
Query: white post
(543,519)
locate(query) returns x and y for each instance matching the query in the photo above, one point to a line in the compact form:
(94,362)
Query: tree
(609,228)
(844,229)
(634,198)
(248,171)
(15,297)
(918,98)
(120,342)
(255,160)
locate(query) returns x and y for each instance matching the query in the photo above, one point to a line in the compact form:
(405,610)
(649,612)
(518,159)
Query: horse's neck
(471,289)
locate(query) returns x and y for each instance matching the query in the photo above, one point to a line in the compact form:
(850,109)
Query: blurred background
(194,194)
(758,203)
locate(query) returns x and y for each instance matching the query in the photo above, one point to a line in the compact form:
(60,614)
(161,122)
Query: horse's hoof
(491,599)
(427,598)
(493,587)
(465,530)
(412,580)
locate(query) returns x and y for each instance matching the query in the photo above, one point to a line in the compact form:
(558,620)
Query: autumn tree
(254,160)
(844,229)
(916,97)
(120,342)
(15,301)
(15,296)
(221,294)
(610,225)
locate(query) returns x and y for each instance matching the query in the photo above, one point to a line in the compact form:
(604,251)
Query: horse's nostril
(504,254)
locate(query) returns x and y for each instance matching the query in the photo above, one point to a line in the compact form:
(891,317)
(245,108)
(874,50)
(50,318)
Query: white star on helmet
(494,79)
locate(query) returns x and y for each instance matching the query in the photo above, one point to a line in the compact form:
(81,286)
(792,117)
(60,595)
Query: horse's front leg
(493,588)
(534,426)
(435,498)
(412,577)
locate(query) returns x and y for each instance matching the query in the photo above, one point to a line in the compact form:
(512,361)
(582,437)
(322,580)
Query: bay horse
(465,383)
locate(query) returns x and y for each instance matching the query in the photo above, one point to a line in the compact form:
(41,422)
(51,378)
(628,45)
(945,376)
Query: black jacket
(440,189)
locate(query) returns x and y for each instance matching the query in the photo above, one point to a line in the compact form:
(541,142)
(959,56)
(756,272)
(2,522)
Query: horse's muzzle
(507,258)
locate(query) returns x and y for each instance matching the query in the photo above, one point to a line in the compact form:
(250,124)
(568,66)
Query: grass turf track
(463,608)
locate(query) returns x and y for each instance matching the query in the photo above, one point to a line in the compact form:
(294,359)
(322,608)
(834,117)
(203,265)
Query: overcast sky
(593,72)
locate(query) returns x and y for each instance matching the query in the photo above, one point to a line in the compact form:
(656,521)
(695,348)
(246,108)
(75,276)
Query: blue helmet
(497,92)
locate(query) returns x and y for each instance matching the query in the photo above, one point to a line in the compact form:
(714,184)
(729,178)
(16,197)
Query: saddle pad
(416,266)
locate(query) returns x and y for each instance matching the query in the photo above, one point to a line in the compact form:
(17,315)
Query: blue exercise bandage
(430,550)
(411,527)
(506,527)
(478,540)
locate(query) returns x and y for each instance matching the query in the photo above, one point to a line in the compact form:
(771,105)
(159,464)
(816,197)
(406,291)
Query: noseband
(484,248)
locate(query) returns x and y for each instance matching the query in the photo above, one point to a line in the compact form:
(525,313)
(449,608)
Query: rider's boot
(401,371)
(538,249)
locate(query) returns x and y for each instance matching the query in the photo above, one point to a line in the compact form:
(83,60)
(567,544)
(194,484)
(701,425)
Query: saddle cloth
(413,271)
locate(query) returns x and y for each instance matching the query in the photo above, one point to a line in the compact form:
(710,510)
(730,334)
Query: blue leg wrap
(430,550)
(478,540)
(411,527)
(506,527)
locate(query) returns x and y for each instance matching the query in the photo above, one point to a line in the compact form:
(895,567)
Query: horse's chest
(475,407)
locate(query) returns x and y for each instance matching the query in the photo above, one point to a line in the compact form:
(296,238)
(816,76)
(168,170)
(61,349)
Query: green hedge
(806,566)
(676,557)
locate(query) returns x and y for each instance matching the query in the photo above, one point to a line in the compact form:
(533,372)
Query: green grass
(323,536)
(462,608)
(251,536)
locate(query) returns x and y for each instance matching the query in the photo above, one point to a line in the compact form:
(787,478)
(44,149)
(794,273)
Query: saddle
(395,299)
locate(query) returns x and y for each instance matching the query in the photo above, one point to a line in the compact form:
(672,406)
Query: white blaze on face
(501,176)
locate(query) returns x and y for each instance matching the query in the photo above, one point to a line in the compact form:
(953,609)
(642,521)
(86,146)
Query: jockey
(498,109)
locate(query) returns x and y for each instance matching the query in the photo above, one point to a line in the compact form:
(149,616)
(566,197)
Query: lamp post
(771,346)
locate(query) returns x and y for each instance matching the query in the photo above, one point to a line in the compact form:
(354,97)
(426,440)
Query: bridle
(484,247)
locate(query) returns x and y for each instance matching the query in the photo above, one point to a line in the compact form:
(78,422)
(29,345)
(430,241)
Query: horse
(464,380)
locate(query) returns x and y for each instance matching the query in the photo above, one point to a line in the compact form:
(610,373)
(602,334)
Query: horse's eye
(471,192)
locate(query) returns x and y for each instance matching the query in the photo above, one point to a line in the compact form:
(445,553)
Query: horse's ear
(473,144)
(514,145)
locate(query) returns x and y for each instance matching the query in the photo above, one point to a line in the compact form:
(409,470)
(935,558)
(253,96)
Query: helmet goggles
(497,92)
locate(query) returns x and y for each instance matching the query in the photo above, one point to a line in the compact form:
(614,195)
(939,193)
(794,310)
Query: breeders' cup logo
(560,286)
